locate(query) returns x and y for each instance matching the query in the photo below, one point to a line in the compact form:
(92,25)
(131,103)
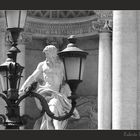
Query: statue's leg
(50,125)
(55,123)
(55,108)
(47,123)
(37,124)
(60,125)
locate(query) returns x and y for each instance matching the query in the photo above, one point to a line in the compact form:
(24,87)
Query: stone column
(105,78)
(124,70)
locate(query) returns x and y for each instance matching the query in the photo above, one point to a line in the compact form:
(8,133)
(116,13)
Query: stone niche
(87,90)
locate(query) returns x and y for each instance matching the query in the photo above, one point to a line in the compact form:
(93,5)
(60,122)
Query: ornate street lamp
(11,71)
(74,61)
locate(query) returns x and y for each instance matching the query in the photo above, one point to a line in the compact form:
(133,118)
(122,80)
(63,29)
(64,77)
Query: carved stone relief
(102,25)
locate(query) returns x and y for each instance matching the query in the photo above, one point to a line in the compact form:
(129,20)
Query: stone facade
(53,27)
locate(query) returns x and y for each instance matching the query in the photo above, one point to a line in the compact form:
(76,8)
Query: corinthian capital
(102,25)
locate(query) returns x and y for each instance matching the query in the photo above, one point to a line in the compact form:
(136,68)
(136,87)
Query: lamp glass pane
(12,17)
(23,18)
(72,65)
(3,81)
(82,68)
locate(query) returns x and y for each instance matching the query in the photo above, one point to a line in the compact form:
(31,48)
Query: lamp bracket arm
(45,107)
(5,99)
(26,117)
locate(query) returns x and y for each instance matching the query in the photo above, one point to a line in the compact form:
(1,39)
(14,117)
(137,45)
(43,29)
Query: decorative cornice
(63,29)
(44,29)
(80,26)
(55,14)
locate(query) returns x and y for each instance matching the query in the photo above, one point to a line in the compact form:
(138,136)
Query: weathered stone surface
(124,92)
(105,80)
(87,107)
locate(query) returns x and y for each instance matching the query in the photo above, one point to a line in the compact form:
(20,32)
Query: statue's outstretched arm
(32,77)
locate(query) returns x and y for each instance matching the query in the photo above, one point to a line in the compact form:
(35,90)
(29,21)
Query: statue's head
(50,51)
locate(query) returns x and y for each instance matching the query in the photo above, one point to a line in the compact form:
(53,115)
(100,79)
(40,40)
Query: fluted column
(104,78)
(124,70)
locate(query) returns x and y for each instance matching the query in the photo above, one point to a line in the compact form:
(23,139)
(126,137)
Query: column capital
(102,25)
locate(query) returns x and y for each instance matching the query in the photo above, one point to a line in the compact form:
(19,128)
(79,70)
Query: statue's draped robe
(55,92)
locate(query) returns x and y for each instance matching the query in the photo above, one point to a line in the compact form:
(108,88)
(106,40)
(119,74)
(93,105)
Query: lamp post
(11,73)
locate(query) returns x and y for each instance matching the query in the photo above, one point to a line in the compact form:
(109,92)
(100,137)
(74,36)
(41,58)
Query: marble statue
(50,77)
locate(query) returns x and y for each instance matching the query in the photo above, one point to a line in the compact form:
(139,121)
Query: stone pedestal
(124,109)
(104,80)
